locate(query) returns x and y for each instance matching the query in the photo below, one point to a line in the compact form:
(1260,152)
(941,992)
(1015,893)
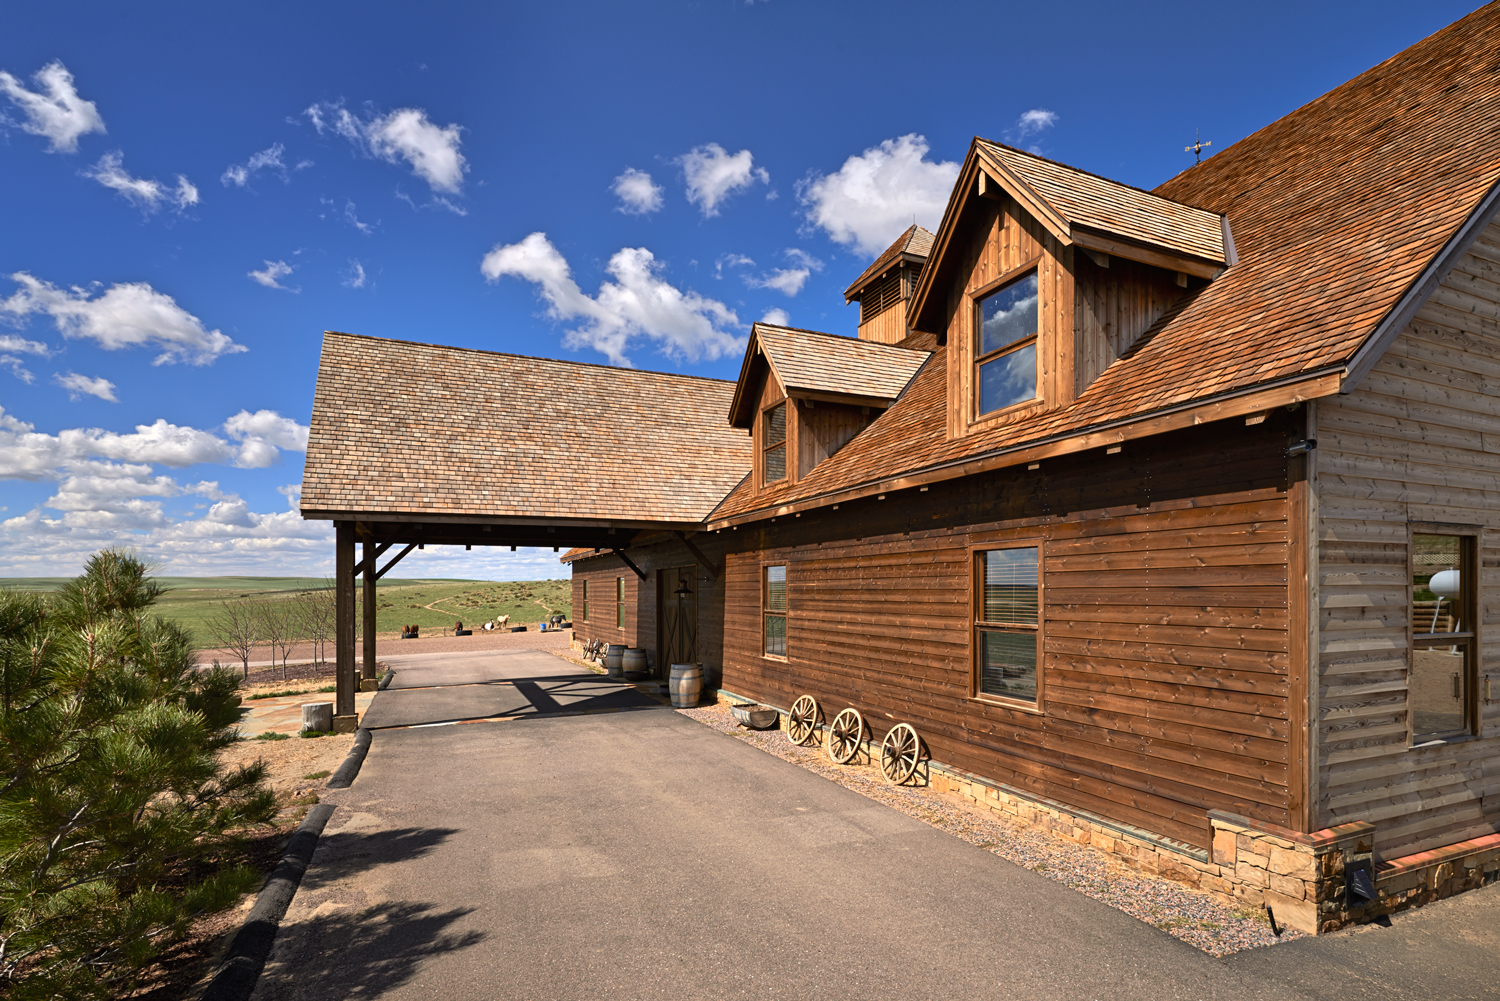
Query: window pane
(776,635)
(1008,315)
(775,424)
(1439,690)
(1009,586)
(1008,380)
(619,588)
(1440,600)
(775,463)
(775,589)
(1007,664)
(620,616)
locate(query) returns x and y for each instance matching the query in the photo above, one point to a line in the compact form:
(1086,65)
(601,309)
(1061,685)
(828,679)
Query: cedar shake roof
(1338,210)
(913,245)
(807,361)
(1083,199)
(400,427)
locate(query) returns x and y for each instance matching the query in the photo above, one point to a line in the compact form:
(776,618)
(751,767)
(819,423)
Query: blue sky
(193,193)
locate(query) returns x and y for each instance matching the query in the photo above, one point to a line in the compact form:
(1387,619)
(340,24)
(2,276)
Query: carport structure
(417,444)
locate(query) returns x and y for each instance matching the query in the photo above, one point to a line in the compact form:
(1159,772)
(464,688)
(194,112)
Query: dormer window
(774,443)
(1005,355)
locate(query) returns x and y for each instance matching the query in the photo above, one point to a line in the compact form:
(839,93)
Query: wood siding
(888,326)
(824,428)
(1417,441)
(1115,306)
(1164,637)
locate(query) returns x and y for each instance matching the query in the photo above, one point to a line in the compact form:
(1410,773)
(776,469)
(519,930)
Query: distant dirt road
(391,643)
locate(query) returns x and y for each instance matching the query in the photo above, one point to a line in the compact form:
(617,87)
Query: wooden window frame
(976,299)
(766,613)
(785,444)
(1472,639)
(585,616)
(976,607)
(619,602)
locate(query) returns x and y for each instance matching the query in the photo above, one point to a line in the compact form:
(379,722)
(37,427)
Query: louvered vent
(886,292)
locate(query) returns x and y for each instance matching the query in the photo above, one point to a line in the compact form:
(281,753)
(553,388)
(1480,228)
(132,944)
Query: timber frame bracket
(703,561)
(628,561)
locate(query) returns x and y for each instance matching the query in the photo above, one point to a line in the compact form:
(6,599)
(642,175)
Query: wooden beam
(1156,258)
(359,567)
(707,564)
(394,560)
(344,718)
(369,608)
(628,562)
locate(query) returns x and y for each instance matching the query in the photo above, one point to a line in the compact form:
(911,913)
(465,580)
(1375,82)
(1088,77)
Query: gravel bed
(1192,916)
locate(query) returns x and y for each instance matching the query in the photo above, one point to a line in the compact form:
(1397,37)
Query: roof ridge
(841,337)
(511,354)
(1098,177)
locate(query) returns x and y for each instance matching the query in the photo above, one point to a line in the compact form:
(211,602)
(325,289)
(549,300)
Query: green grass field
(431,604)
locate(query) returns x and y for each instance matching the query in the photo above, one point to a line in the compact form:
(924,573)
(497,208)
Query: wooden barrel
(612,660)
(634,663)
(685,684)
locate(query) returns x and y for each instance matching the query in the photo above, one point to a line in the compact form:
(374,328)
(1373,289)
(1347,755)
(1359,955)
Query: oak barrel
(685,683)
(634,663)
(613,659)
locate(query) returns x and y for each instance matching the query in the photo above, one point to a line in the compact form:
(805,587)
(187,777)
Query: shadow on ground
(344,853)
(362,954)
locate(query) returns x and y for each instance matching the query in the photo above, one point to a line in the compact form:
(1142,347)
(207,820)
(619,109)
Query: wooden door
(679,618)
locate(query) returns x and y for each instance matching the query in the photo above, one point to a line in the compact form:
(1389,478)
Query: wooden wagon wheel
(844,735)
(802,721)
(899,754)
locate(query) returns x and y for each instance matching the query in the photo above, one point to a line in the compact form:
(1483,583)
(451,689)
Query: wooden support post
(367,676)
(344,718)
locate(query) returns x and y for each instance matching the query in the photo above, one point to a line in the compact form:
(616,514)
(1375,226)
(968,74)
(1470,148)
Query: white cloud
(17,368)
(270,276)
(776,317)
(431,151)
(874,196)
(356,277)
(145,194)
(713,174)
(80,385)
(54,111)
(1034,121)
(637,193)
(731,261)
(267,159)
(261,434)
(788,280)
(11,345)
(637,302)
(127,315)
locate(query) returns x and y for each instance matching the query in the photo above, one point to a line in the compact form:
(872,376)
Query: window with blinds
(773,443)
(773,610)
(1007,621)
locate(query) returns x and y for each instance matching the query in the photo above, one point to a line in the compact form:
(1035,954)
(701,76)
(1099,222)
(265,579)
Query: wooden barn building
(1169,519)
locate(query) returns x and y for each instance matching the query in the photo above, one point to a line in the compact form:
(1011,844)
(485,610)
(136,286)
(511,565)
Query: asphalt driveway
(586,841)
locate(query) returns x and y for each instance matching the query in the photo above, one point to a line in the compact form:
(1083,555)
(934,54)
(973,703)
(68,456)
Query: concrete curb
(344,777)
(237,975)
(385,682)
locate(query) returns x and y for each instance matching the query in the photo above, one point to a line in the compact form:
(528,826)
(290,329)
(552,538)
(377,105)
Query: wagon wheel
(844,735)
(899,754)
(802,721)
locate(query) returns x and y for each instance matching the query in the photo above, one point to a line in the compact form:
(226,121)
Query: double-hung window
(1005,346)
(773,610)
(1441,688)
(1007,623)
(773,444)
(619,602)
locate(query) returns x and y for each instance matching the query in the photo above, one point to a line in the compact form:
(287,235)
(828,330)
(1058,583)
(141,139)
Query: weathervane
(1196,148)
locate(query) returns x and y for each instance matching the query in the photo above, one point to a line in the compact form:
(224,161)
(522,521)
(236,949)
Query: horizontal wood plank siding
(1164,647)
(1417,441)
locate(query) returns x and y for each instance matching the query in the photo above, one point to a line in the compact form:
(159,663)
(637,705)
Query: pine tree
(110,784)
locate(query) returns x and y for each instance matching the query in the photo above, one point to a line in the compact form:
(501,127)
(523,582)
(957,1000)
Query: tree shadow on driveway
(346,853)
(360,954)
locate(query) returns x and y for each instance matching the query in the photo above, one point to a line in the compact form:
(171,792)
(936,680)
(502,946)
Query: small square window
(1007,619)
(1005,346)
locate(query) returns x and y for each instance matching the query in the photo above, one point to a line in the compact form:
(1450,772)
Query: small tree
(276,623)
(317,616)
(233,628)
(109,784)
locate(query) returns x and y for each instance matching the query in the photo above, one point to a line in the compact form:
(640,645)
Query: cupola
(888,285)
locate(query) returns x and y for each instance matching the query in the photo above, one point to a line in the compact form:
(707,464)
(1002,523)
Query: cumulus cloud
(11,347)
(128,315)
(81,385)
(776,317)
(239,174)
(788,280)
(731,261)
(638,302)
(1034,121)
(431,151)
(145,194)
(270,276)
(261,434)
(54,110)
(356,277)
(876,194)
(638,194)
(713,174)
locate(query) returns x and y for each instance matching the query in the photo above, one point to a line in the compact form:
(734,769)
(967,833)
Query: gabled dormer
(886,287)
(1041,276)
(803,395)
